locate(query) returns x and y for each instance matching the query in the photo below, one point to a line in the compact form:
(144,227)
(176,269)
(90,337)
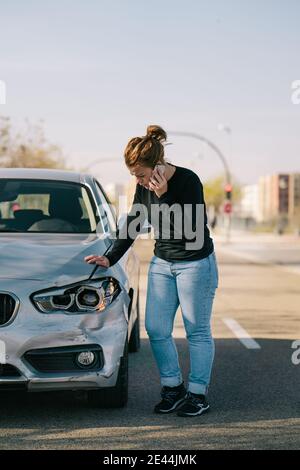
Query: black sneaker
(193,405)
(172,397)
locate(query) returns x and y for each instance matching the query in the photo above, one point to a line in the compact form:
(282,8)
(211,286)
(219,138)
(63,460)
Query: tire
(117,396)
(135,341)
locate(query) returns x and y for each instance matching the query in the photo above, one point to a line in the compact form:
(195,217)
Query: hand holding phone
(158,182)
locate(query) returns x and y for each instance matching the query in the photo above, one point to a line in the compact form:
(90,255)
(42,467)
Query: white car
(64,324)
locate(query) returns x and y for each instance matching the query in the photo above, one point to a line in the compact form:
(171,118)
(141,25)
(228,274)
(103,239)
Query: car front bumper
(32,330)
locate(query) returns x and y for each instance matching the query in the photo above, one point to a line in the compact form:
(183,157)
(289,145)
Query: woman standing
(180,273)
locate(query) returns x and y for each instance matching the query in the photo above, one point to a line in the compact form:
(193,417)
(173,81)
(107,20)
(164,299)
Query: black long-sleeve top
(184,188)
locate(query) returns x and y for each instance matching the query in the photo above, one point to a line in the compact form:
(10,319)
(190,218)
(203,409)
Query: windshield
(46,206)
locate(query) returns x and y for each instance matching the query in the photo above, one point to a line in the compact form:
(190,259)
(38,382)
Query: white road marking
(241,334)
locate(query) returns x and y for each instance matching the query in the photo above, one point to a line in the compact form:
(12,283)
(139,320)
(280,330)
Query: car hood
(53,257)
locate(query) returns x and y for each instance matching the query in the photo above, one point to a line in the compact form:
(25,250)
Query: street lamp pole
(228,188)
(213,146)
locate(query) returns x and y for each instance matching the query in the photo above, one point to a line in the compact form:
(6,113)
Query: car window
(46,206)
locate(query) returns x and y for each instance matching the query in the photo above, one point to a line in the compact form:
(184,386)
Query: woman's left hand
(158,183)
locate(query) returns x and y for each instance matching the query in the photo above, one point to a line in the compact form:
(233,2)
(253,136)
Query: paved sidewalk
(252,237)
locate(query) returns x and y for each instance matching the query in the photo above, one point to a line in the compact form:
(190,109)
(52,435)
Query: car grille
(8,306)
(7,370)
(63,359)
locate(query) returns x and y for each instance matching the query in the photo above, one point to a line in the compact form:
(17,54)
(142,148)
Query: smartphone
(160,168)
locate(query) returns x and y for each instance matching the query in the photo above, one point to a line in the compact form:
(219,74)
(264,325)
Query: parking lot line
(241,334)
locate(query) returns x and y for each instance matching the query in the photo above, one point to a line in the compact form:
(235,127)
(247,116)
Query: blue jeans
(192,285)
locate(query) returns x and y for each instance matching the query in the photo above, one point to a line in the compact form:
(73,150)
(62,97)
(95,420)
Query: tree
(214,190)
(28,151)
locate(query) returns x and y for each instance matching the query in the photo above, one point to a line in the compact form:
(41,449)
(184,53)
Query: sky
(97,72)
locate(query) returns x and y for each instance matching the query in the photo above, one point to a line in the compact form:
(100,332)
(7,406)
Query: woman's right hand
(100,260)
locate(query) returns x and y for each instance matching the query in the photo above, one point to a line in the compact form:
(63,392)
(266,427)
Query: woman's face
(142,174)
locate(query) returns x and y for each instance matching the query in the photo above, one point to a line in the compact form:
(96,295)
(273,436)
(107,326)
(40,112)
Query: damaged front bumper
(63,335)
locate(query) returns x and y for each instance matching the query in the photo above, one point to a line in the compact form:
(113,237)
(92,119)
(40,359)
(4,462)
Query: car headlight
(91,296)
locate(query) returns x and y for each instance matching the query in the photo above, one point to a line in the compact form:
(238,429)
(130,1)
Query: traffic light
(228,191)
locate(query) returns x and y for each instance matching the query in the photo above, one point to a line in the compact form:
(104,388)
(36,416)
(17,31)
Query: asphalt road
(254,392)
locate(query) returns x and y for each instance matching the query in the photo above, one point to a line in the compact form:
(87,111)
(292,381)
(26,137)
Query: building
(278,197)
(294,196)
(248,207)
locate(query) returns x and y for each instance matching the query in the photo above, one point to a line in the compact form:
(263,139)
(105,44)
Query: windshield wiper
(9,230)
